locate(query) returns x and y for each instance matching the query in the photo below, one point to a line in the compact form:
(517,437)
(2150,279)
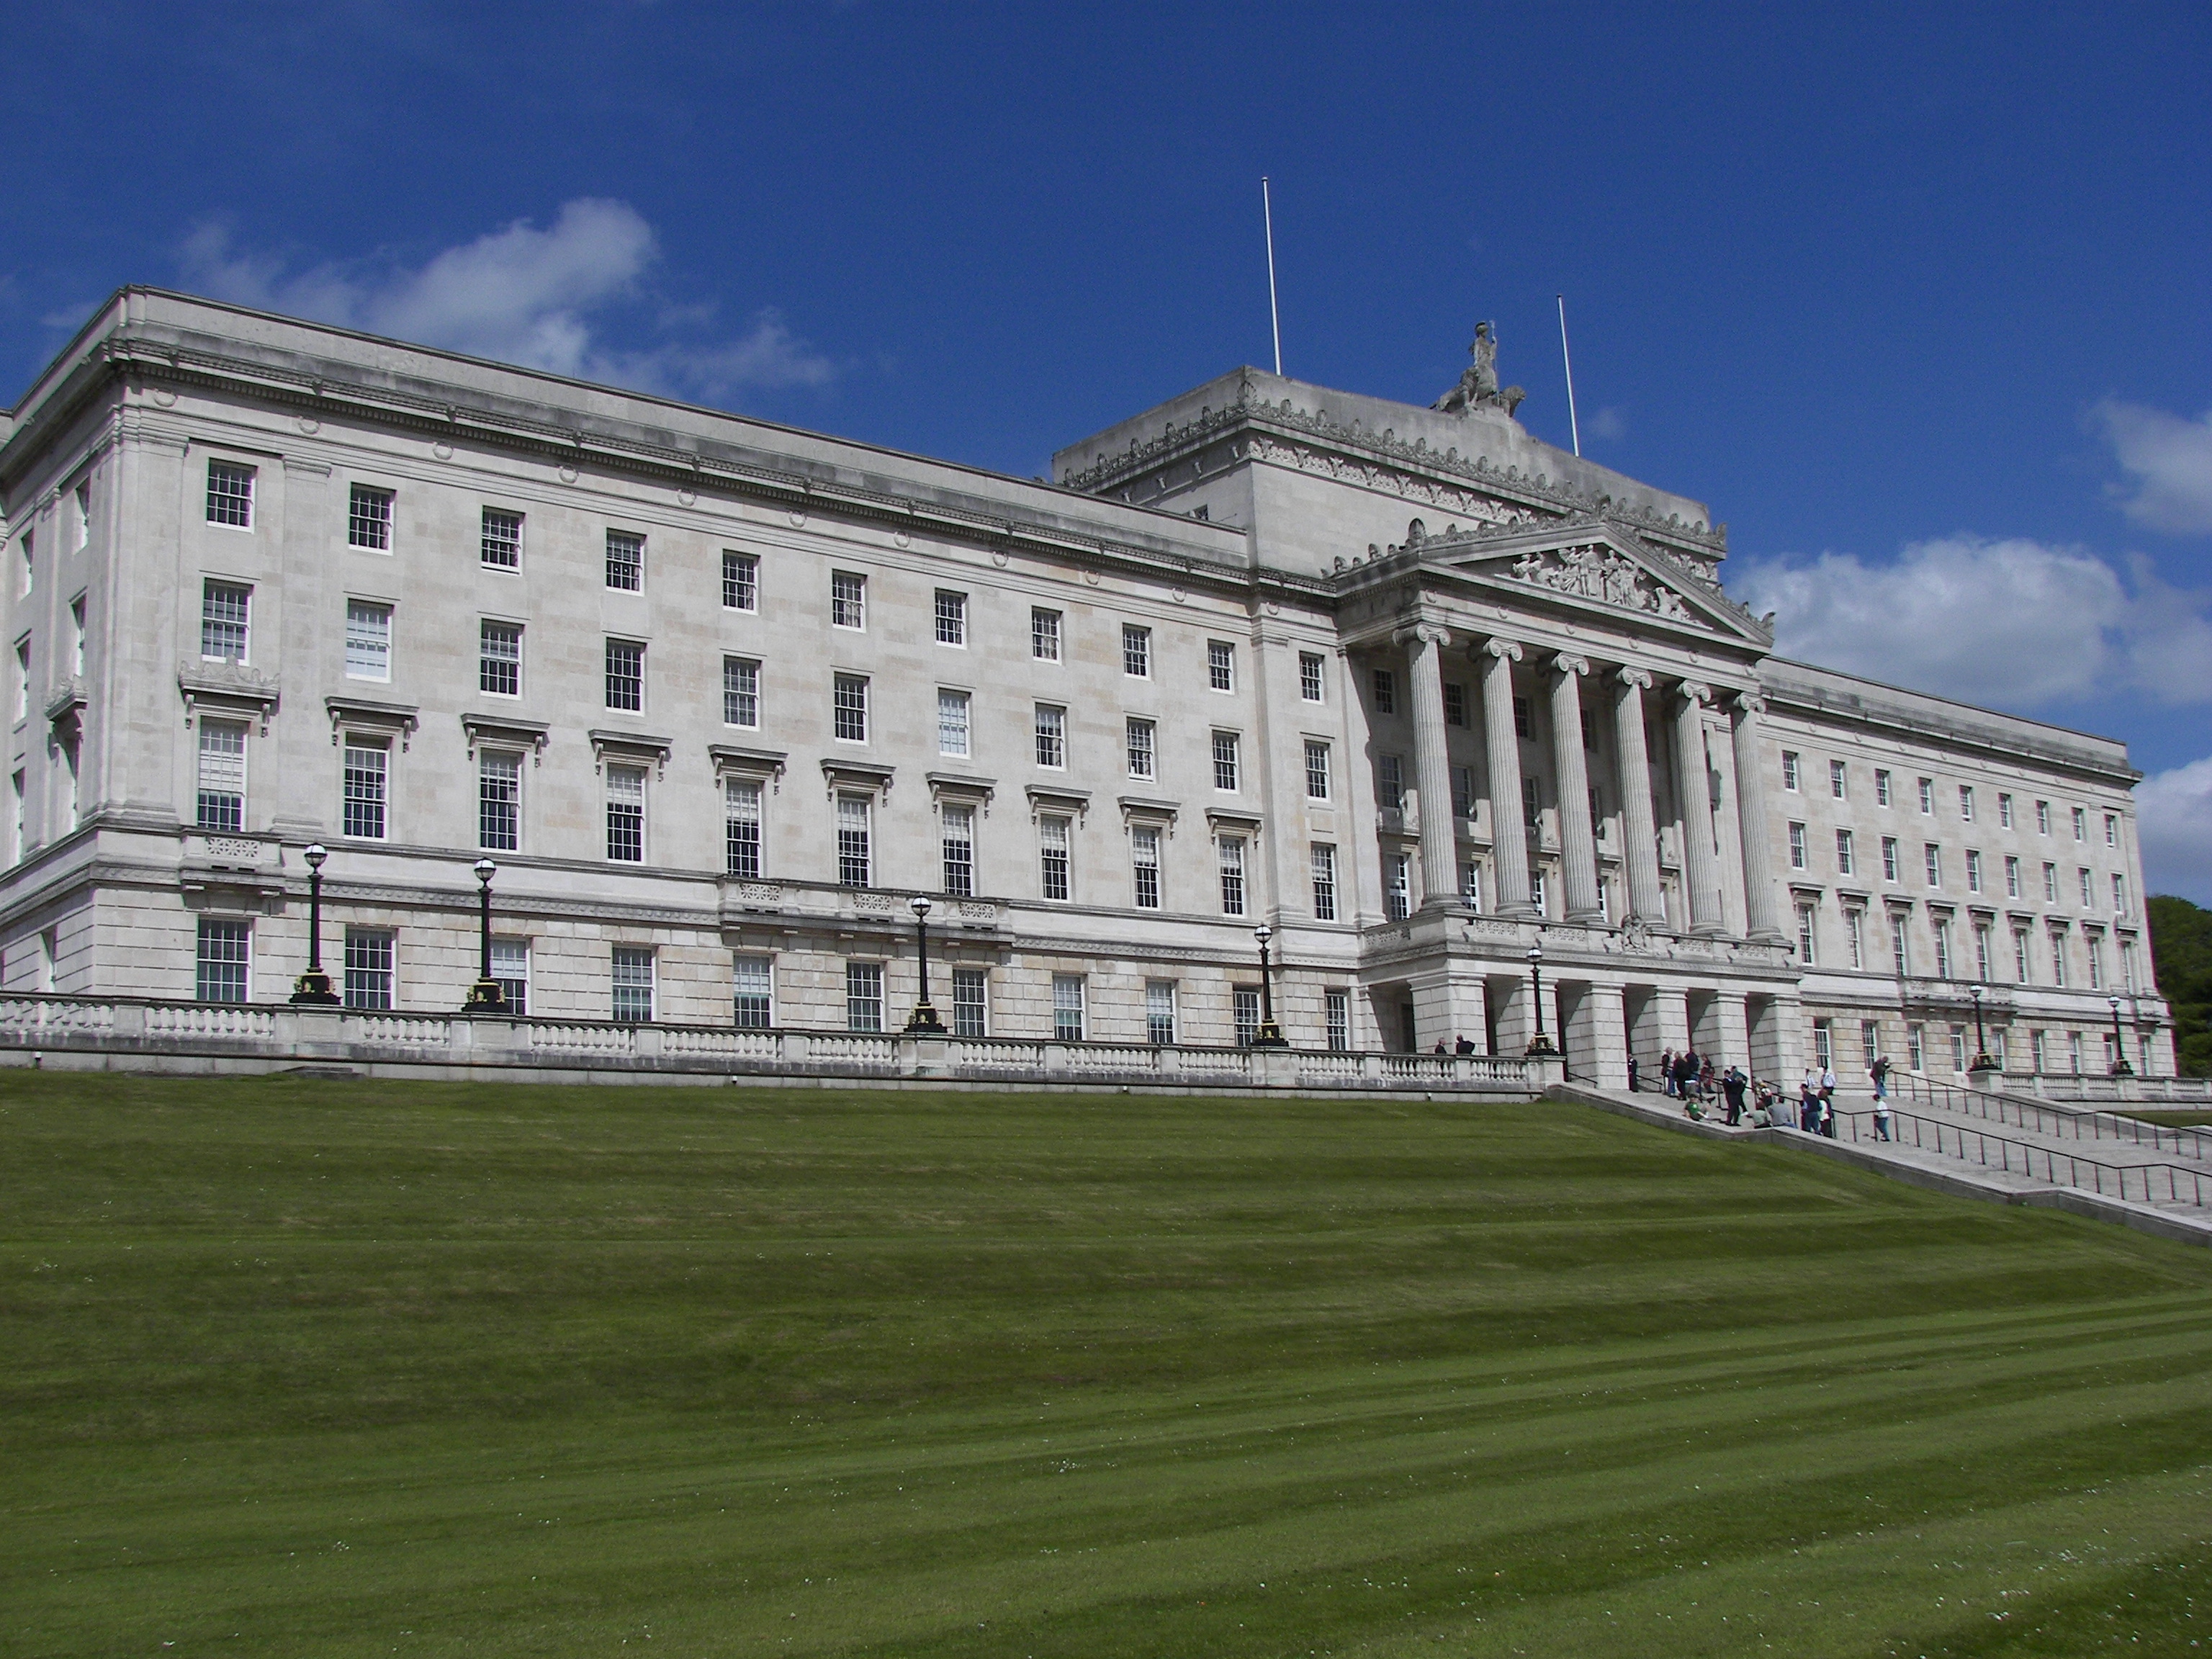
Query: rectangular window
(1386,692)
(1797,853)
(625,561)
(2086,901)
(1524,719)
(1145,863)
(224,957)
(30,564)
(1390,782)
(1531,807)
(971,1006)
(848,695)
(367,762)
(958,843)
(499,801)
(1338,1007)
(1958,1048)
(1882,791)
(2081,824)
(753,999)
(1221,664)
(1470,885)
(499,658)
(1982,959)
(2012,877)
(22,698)
(855,852)
(1838,780)
(2043,817)
(740,691)
(626,814)
(76,634)
(1317,771)
(1934,855)
(1791,779)
(1966,802)
(510,971)
(1462,785)
(1044,634)
(1854,936)
(1805,934)
(1916,1047)
(222,776)
(1067,1007)
(740,580)
(1889,857)
(1159,1012)
(1928,795)
(951,617)
(2020,955)
(1537,885)
(368,967)
(1052,857)
(1844,852)
(1224,760)
(1899,945)
(1397,892)
(2111,830)
(1051,731)
(2004,811)
(1310,680)
(848,600)
(223,612)
(368,519)
(1324,882)
(1245,1010)
(741,828)
(1973,871)
(631,981)
(368,640)
(2050,883)
(1940,927)
(1136,652)
(499,544)
(2074,1052)
(864,996)
(2120,895)
(1454,703)
(230,494)
(2058,958)
(1823,1044)
(626,676)
(1230,851)
(952,722)
(1140,747)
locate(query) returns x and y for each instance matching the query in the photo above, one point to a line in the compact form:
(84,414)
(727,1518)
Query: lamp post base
(1981,1063)
(924,1022)
(1541,1048)
(1269,1035)
(2124,1070)
(486,996)
(312,989)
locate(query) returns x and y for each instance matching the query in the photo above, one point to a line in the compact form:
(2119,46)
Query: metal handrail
(2059,1122)
(1929,1135)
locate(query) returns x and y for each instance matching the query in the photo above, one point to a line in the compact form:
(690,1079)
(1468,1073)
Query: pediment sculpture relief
(1606,575)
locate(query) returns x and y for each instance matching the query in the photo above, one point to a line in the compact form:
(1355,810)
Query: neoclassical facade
(1413,690)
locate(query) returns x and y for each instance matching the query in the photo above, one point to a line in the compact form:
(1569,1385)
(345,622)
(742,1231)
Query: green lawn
(329,1368)
(2184,1117)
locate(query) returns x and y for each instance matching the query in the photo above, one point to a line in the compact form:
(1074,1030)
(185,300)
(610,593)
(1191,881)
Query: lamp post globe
(1269,1034)
(2120,1066)
(1539,1044)
(923,1021)
(314,988)
(487,995)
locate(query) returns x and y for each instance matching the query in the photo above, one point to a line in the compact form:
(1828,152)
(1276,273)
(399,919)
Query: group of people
(1692,1079)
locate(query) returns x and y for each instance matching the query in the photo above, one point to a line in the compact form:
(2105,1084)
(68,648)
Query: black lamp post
(923,1021)
(1984,1060)
(2120,1066)
(485,996)
(1270,1035)
(1539,1044)
(313,987)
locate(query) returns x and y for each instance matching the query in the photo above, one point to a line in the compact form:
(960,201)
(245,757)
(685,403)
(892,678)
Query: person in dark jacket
(1732,1082)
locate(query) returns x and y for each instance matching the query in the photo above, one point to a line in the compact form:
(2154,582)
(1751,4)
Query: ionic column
(1701,870)
(1646,902)
(1432,767)
(1508,838)
(1577,843)
(1761,911)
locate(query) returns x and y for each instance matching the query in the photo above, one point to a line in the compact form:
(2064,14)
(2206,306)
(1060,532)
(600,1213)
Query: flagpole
(1574,425)
(1274,317)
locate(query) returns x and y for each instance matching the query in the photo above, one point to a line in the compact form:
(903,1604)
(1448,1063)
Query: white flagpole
(1274,317)
(1573,424)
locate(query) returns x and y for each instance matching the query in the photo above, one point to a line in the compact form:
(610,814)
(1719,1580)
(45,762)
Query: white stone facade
(435,610)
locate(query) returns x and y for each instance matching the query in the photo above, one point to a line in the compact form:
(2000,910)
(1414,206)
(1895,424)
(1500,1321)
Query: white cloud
(2174,813)
(1608,422)
(2169,461)
(521,294)
(2010,623)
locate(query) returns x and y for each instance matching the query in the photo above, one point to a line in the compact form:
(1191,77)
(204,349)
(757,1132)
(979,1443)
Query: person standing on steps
(1880,1072)
(1732,1082)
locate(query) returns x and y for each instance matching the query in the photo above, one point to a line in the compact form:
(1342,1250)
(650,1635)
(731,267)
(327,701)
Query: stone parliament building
(1414,690)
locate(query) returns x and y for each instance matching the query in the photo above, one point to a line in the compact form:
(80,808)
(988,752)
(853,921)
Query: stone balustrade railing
(141,1034)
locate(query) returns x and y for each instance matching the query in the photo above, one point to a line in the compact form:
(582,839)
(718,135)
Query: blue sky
(1914,297)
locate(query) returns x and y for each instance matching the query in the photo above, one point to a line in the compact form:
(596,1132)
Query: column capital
(1696,693)
(1750,702)
(1505,650)
(1639,678)
(1422,633)
(1567,663)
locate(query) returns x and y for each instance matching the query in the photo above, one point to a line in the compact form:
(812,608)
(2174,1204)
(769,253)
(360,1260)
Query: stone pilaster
(1508,836)
(1639,827)
(1577,840)
(1700,863)
(1433,766)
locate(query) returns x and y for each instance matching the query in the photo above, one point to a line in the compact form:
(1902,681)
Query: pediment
(1597,564)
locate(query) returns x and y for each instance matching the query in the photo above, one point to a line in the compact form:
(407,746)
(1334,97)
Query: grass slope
(333,1370)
